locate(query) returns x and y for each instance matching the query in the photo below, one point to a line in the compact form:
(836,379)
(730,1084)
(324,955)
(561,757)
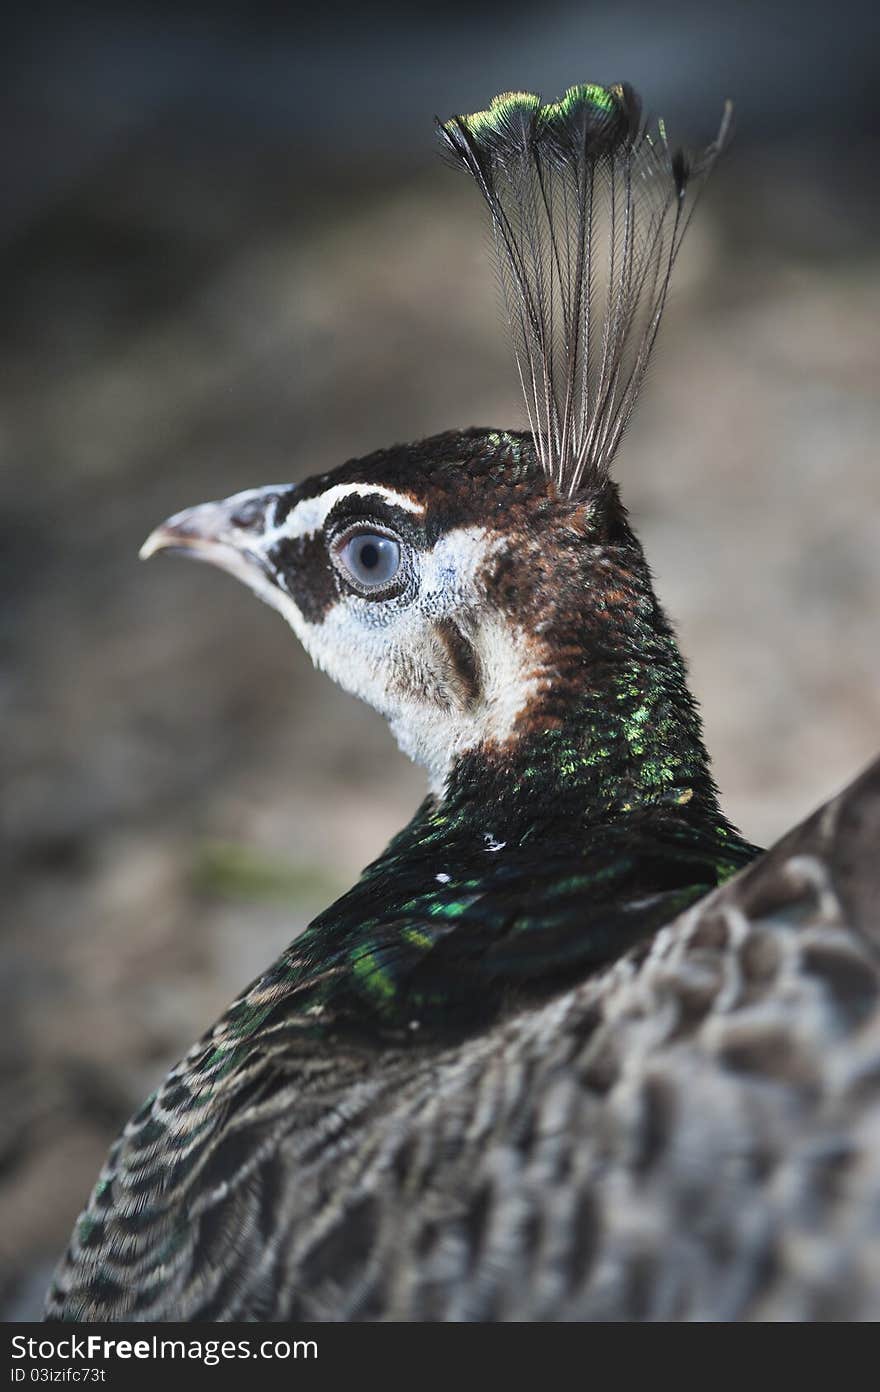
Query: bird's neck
(547,854)
(613,730)
(543,861)
(636,751)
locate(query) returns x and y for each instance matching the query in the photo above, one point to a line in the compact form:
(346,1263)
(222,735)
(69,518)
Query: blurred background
(230,255)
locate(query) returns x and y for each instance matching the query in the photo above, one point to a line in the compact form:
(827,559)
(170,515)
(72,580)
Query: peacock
(571,1048)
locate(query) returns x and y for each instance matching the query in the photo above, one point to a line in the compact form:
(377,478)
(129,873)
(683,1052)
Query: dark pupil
(369,557)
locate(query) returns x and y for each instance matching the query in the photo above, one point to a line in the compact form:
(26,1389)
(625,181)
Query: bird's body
(480,1085)
(691,1133)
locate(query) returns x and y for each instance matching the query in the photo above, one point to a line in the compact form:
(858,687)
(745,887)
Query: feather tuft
(589,207)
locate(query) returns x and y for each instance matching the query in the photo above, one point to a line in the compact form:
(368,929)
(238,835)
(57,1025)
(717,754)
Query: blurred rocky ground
(181,792)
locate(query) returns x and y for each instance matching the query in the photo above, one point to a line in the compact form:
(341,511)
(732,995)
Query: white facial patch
(390,655)
(436,736)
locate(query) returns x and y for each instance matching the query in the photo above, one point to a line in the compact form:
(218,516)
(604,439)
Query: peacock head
(473,586)
(443,582)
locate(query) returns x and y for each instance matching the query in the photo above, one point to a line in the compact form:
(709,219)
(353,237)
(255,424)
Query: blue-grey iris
(371,559)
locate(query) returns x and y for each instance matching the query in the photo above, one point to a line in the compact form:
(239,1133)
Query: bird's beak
(230,534)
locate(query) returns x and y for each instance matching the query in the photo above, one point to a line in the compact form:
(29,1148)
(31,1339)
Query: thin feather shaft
(589,208)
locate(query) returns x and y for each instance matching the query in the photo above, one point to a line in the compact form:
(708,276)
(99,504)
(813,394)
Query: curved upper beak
(230,534)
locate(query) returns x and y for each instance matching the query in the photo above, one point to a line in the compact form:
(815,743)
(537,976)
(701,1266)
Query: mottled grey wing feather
(692,1134)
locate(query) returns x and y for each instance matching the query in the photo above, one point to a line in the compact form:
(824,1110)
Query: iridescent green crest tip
(600,117)
(508,105)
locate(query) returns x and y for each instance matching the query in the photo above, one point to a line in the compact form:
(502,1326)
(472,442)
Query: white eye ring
(369,560)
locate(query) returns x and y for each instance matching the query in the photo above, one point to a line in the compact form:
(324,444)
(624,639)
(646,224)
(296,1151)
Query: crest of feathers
(589,207)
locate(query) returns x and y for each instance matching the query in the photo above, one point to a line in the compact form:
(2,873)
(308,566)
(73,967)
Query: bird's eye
(370,559)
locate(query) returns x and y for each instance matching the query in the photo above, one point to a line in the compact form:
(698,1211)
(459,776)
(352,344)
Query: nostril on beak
(251,513)
(262,509)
